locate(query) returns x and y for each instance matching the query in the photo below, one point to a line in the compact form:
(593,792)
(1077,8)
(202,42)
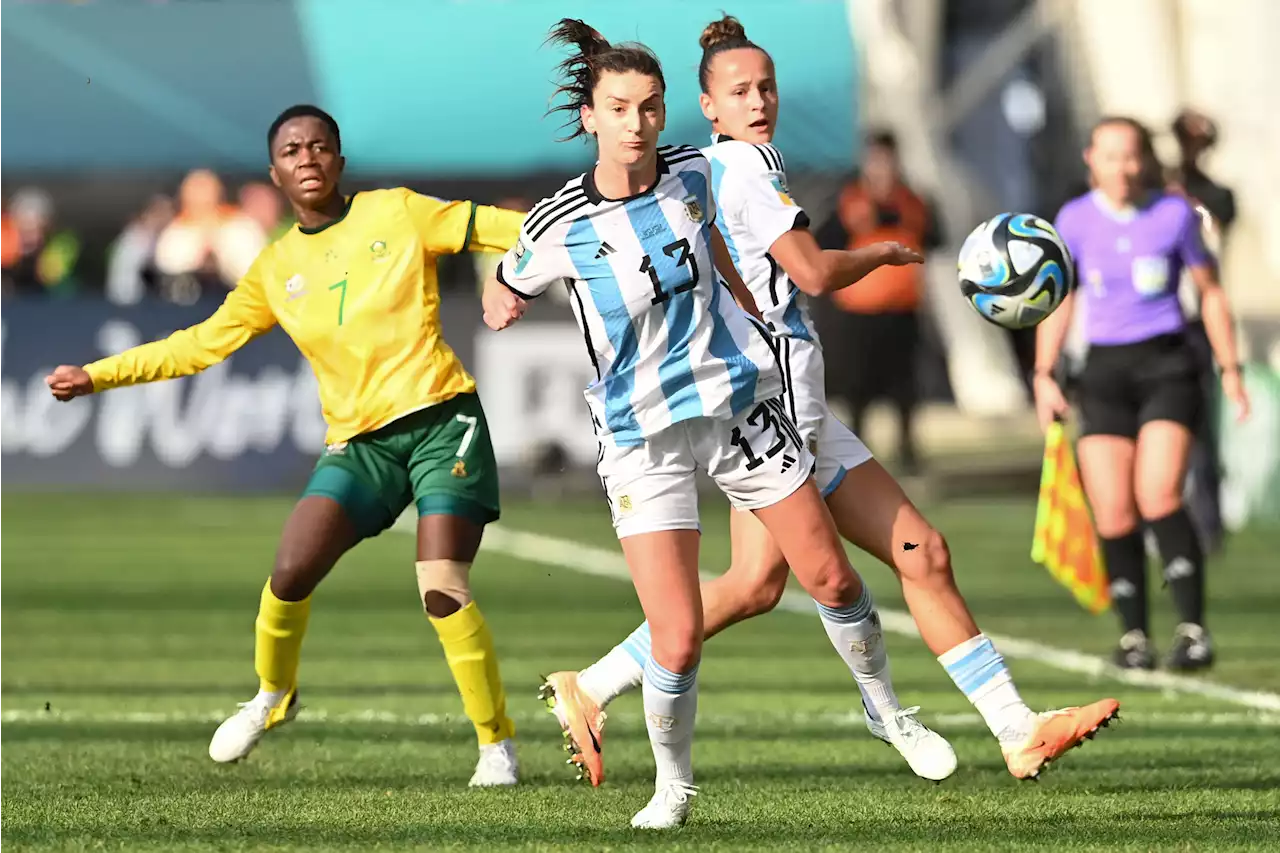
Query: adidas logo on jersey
(605,249)
(787,462)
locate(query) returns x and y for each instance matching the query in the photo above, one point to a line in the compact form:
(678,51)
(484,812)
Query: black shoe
(1134,652)
(1192,648)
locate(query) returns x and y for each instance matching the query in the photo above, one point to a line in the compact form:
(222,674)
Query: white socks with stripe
(979,671)
(855,633)
(670,706)
(620,671)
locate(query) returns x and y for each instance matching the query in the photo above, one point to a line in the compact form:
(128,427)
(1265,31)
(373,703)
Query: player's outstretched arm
(494,229)
(738,287)
(449,227)
(817,271)
(243,315)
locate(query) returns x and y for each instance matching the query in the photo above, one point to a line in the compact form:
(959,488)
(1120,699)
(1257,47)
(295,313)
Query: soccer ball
(1015,270)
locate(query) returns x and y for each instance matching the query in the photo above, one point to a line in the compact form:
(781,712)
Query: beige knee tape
(447,577)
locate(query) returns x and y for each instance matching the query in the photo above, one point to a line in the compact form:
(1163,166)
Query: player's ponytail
(593,56)
(718,36)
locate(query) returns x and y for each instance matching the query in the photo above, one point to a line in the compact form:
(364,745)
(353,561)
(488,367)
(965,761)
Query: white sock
(869,706)
(670,706)
(855,633)
(271,698)
(619,671)
(979,671)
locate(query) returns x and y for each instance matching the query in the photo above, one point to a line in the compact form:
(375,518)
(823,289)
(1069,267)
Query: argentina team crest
(693,208)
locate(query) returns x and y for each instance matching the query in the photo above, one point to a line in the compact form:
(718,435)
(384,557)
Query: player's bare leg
(317,533)
(447,546)
(807,537)
(873,512)
(804,533)
(753,584)
(664,571)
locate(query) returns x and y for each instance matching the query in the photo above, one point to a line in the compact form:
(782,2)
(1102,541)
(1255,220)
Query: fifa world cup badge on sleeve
(780,187)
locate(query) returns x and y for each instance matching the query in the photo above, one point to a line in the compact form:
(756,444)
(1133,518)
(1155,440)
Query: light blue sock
(638,645)
(980,672)
(620,671)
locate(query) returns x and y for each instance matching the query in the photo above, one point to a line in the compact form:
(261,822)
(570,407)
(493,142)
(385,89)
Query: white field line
(588,559)
(368,716)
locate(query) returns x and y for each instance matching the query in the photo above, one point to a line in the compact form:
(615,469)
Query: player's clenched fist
(501,306)
(69,381)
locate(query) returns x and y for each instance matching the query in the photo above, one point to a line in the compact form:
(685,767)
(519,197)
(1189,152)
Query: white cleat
(497,766)
(927,753)
(240,733)
(668,809)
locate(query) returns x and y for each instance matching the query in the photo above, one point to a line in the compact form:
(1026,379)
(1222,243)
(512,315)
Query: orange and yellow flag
(1064,541)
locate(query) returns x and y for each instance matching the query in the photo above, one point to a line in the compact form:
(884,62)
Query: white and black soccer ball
(1015,270)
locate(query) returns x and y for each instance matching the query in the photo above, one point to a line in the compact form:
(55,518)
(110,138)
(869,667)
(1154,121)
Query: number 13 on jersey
(681,252)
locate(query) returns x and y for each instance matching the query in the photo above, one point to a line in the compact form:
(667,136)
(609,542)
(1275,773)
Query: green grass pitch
(130,619)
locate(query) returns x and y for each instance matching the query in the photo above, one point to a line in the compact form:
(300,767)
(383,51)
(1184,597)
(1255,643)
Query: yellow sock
(468,647)
(278,633)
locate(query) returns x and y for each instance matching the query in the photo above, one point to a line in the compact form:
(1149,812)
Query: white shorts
(833,444)
(756,458)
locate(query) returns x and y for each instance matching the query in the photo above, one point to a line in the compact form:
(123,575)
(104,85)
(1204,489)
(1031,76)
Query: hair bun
(726,29)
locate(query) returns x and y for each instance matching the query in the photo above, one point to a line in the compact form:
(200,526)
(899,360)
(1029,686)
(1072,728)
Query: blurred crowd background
(135,194)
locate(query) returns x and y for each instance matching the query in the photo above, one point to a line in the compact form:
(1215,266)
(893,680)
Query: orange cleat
(1055,733)
(582,722)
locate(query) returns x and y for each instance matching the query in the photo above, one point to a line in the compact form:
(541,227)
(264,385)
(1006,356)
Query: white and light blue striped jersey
(667,339)
(756,208)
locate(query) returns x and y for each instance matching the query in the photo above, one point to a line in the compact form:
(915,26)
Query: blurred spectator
(263,204)
(37,257)
(875,336)
(131,270)
(209,245)
(1196,134)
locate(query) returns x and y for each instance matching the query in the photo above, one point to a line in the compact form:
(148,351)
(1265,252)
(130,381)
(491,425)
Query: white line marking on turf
(369,716)
(587,559)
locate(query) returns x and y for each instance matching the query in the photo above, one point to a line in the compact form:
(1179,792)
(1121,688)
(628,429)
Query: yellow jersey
(360,299)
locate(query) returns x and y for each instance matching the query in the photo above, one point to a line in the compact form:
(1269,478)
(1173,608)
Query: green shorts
(440,458)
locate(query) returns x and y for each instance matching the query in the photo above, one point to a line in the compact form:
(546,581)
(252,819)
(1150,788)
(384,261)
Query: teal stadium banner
(428,87)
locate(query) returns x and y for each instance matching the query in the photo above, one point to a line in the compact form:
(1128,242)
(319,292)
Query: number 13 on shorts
(764,459)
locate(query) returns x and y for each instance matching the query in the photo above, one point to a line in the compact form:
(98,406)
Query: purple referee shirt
(1128,264)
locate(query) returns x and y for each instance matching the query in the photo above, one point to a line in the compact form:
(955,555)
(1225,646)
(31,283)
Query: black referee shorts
(1125,386)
